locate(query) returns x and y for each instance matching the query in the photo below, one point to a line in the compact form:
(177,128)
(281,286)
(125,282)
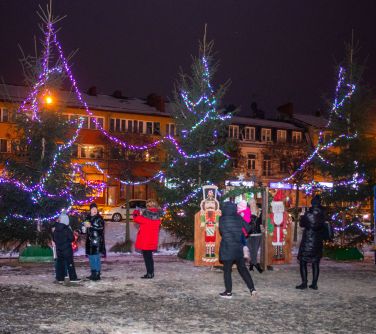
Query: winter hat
(316,201)
(93,205)
(64,219)
(242,205)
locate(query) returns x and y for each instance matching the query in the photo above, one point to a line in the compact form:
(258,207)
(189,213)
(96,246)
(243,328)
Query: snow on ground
(184,299)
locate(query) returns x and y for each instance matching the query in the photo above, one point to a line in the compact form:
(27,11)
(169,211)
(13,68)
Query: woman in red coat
(147,237)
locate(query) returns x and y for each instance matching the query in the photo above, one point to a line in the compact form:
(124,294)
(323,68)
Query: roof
(264,123)
(17,94)
(311,120)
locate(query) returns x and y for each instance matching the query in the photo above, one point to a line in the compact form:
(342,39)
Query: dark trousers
(63,262)
(242,269)
(315,272)
(149,262)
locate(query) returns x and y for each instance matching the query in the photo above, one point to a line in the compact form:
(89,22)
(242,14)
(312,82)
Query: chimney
(256,112)
(286,111)
(117,94)
(156,101)
(92,91)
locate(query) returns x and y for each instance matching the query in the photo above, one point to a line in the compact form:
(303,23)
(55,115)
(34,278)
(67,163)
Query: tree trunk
(296,214)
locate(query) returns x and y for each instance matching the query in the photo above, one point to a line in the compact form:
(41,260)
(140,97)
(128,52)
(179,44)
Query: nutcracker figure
(210,214)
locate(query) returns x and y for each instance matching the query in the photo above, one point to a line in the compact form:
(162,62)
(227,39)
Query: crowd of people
(241,232)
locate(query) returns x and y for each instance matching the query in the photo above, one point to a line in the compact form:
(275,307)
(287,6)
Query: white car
(119,213)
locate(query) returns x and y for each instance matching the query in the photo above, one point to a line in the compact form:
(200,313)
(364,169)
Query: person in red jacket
(147,237)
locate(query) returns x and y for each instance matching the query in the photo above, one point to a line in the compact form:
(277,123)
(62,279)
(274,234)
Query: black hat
(93,205)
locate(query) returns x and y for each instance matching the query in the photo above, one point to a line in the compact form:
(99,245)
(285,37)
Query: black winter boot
(91,277)
(97,276)
(258,267)
(251,267)
(303,274)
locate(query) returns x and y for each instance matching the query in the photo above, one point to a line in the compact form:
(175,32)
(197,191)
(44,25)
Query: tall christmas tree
(39,180)
(349,158)
(201,126)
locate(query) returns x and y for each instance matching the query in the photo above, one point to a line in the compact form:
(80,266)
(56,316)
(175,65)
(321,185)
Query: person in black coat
(93,226)
(311,246)
(63,238)
(231,248)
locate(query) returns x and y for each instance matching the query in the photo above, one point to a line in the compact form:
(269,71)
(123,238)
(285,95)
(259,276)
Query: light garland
(30,103)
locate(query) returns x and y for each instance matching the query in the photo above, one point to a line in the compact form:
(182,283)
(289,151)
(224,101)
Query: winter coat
(63,238)
(258,222)
(95,243)
(311,246)
(148,234)
(230,228)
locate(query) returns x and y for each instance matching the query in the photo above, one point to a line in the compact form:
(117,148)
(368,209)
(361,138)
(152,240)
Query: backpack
(328,232)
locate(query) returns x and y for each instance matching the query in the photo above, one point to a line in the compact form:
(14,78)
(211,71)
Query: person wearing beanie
(311,246)
(63,238)
(93,227)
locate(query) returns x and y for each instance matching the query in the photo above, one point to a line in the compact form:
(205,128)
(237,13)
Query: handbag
(328,232)
(246,252)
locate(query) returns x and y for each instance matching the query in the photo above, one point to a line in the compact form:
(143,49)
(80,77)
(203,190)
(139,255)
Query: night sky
(274,51)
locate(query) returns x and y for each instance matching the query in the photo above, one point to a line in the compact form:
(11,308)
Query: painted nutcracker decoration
(209,216)
(279,220)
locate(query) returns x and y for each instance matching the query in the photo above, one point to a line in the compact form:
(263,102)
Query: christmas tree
(39,180)
(201,125)
(347,154)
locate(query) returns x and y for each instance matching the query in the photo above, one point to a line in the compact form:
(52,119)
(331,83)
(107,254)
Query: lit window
(249,133)
(251,161)
(281,136)
(267,166)
(296,137)
(266,135)
(5,146)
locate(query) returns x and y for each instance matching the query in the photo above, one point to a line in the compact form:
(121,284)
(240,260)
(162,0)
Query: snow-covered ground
(184,299)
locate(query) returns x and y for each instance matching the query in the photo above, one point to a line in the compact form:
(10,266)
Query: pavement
(184,299)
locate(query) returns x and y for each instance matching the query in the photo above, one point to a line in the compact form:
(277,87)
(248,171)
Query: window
(5,146)
(266,135)
(85,124)
(4,115)
(249,133)
(251,161)
(281,136)
(140,127)
(130,126)
(267,166)
(170,129)
(91,152)
(296,137)
(283,166)
(149,128)
(234,163)
(157,128)
(96,123)
(233,131)
(112,124)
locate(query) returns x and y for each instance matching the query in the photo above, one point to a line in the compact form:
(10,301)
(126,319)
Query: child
(244,212)
(62,238)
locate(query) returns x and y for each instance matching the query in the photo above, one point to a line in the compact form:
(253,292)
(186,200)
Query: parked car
(119,213)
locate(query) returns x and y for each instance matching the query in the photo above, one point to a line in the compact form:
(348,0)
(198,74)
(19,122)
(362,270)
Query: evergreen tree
(39,179)
(201,126)
(350,159)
